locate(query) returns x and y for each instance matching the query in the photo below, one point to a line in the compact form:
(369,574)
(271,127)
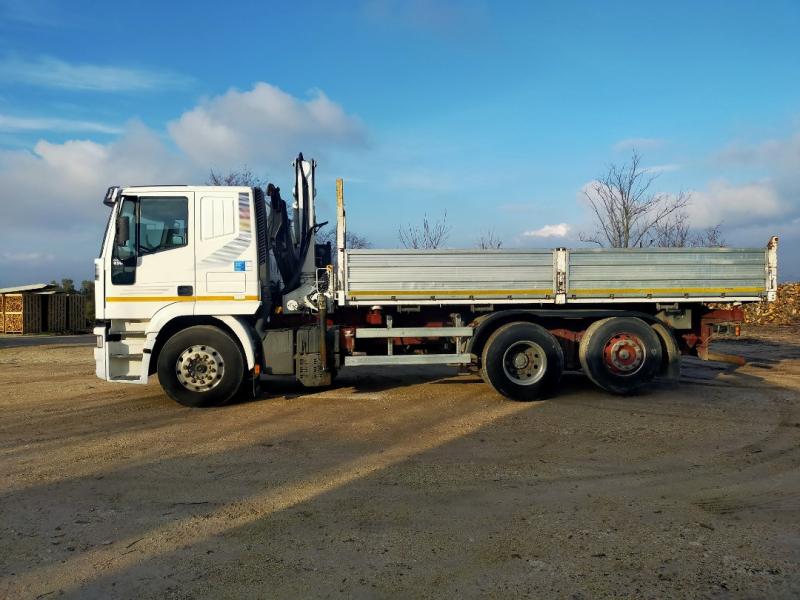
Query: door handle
(185,290)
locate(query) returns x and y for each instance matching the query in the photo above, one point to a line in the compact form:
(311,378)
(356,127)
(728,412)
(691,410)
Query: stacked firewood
(784,311)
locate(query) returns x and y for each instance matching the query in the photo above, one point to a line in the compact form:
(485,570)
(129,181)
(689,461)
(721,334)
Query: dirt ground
(403,483)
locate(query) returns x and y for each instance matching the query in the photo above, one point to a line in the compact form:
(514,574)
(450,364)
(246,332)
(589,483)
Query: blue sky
(497,112)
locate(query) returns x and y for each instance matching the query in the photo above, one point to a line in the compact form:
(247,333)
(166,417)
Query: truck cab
(172,252)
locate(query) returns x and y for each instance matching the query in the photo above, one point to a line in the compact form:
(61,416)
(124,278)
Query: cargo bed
(558,276)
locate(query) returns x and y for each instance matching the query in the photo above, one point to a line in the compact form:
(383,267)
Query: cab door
(152,261)
(226,259)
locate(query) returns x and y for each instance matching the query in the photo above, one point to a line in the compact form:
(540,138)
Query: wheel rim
(200,368)
(524,362)
(624,354)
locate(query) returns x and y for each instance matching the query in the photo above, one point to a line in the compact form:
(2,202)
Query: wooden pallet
(76,313)
(21,313)
(57,313)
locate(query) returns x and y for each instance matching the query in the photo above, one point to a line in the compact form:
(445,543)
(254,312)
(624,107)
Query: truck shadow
(353,380)
(763,351)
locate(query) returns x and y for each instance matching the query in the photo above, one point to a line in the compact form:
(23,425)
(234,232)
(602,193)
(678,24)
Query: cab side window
(163,223)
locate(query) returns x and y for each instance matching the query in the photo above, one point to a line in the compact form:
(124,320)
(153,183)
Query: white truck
(216,288)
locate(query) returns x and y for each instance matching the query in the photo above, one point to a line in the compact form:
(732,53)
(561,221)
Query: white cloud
(587,190)
(51,204)
(52,72)
(51,211)
(778,155)
(59,186)
(772,200)
(638,143)
(263,124)
(558,230)
(10,123)
(736,205)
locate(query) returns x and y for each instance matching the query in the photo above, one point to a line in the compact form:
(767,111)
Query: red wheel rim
(624,354)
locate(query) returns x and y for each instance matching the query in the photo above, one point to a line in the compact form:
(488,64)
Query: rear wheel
(200,366)
(522,361)
(620,354)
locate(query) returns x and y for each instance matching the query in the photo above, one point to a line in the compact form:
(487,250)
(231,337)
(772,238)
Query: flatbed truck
(216,289)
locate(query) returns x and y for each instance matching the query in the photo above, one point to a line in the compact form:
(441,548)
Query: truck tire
(201,366)
(671,354)
(522,361)
(620,354)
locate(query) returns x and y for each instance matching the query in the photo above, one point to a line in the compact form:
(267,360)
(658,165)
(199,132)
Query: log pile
(784,311)
(20,313)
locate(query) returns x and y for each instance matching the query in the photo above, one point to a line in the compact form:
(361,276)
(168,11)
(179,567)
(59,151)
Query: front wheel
(200,366)
(522,361)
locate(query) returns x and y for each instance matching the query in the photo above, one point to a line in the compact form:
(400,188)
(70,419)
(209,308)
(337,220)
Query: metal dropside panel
(449,275)
(666,273)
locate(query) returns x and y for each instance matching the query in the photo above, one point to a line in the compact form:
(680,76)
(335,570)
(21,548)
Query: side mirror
(123,231)
(111,195)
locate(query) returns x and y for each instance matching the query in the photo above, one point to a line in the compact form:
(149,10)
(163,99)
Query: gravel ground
(403,483)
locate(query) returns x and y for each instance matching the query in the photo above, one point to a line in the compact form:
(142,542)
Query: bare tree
(627,211)
(489,241)
(428,235)
(244,176)
(352,239)
(675,232)
(710,237)
(672,232)
(356,241)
